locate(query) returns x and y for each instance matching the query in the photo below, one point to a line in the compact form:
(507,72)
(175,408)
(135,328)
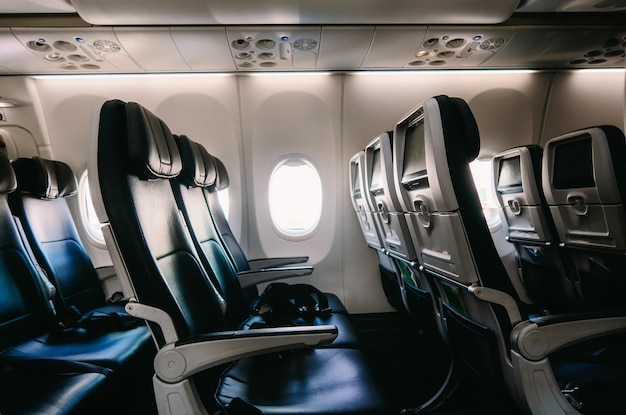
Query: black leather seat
(193,188)
(41,204)
(32,330)
(198,364)
(41,383)
(62,392)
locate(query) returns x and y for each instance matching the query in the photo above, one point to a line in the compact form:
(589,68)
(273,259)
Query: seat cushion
(51,393)
(129,349)
(304,381)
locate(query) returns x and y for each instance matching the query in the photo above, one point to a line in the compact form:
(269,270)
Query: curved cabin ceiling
(120,36)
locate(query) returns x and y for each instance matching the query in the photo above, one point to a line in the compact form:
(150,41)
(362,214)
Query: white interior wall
(250,120)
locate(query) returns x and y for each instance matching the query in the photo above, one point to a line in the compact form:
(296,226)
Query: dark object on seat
(136,158)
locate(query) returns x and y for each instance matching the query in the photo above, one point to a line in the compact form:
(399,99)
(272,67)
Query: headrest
(221,182)
(152,151)
(45,179)
(198,165)
(458,121)
(8,182)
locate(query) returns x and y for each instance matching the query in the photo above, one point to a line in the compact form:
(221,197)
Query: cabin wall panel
(295,114)
(581,99)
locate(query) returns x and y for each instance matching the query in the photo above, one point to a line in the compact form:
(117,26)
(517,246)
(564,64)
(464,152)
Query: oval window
(88,216)
(295,197)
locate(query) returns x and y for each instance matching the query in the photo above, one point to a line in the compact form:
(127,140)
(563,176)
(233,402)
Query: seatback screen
(414,152)
(510,175)
(573,164)
(376,179)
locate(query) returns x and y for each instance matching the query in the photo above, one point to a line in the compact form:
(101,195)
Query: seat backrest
(233,247)
(548,277)
(134,157)
(402,256)
(479,303)
(363,202)
(584,177)
(191,191)
(380,182)
(44,187)
(25,312)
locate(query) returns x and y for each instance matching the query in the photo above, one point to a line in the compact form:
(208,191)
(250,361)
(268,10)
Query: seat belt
(49,288)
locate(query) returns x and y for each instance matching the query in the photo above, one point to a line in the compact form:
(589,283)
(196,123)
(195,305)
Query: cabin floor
(412,365)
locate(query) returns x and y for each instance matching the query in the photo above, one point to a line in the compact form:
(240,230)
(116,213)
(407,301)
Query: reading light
(7,103)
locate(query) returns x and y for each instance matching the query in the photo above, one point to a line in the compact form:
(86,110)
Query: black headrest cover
(198,166)
(152,151)
(222,181)
(45,179)
(8,182)
(458,118)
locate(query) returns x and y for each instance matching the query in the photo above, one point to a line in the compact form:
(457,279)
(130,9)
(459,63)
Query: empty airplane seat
(478,302)
(40,203)
(547,275)
(585,184)
(363,203)
(199,365)
(410,178)
(291,305)
(258,269)
(72,370)
(369,220)
(394,231)
(60,392)
(487,323)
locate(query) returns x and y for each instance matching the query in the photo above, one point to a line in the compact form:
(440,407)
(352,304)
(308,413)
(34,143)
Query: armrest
(533,341)
(177,361)
(251,278)
(260,263)
(536,339)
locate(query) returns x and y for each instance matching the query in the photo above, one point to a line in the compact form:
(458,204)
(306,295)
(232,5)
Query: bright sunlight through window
(224,198)
(482,172)
(295,197)
(88,213)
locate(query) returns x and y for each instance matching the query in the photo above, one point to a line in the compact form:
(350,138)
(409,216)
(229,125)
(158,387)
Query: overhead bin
(254,12)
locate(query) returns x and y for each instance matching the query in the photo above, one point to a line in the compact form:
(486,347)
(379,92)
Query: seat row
(221,345)
(530,336)
(63,349)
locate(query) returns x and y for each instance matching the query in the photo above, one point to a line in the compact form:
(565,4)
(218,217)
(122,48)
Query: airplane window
(88,216)
(483,179)
(295,197)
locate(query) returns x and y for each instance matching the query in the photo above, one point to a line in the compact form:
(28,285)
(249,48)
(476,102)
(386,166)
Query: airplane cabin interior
(297,207)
